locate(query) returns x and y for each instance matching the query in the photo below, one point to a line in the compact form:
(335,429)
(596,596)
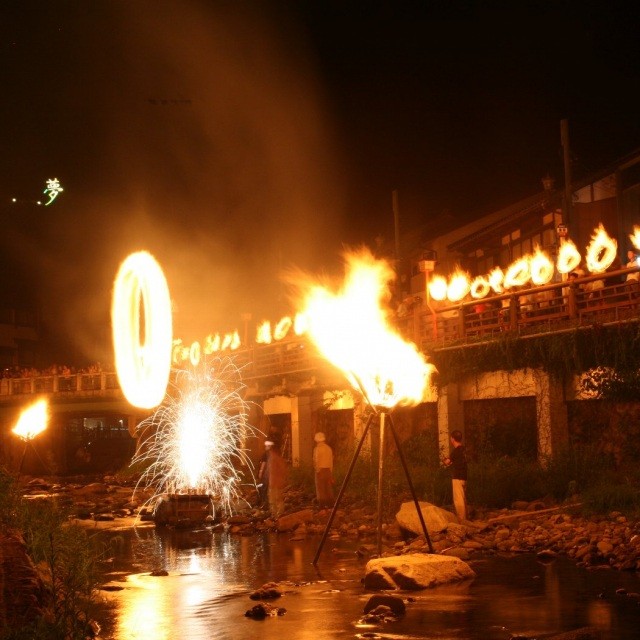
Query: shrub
(67,560)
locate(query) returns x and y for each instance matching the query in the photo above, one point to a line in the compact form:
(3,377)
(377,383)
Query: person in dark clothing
(263,476)
(458,463)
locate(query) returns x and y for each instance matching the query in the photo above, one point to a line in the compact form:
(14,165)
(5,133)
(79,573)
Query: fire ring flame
(140,289)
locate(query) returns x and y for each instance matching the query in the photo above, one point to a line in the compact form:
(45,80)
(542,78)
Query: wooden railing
(538,310)
(584,301)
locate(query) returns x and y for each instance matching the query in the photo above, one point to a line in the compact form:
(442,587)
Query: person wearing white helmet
(323,467)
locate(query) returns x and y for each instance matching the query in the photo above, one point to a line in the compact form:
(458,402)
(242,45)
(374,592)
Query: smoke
(198,133)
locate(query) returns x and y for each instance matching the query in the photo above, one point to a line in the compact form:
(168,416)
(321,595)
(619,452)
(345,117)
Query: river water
(211,576)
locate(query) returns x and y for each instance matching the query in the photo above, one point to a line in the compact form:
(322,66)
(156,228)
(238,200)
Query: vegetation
(66,559)
(580,473)
(560,354)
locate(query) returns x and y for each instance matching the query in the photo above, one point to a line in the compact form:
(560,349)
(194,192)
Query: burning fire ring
(143,368)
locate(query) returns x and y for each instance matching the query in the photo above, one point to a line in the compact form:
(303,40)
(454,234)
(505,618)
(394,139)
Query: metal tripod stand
(385,417)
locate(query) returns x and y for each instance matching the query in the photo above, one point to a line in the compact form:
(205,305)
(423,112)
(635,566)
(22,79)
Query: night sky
(234,140)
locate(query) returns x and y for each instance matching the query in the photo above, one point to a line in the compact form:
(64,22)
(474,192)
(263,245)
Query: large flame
(351,330)
(635,237)
(33,420)
(140,292)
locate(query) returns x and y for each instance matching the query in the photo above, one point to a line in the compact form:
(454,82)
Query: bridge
(90,408)
(527,312)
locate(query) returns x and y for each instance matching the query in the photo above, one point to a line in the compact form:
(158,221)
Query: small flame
(33,420)
(601,251)
(569,257)
(541,267)
(635,237)
(480,287)
(459,286)
(263,332)
(351,329)
(518,274)
(282,328)
(300,324)
(438,288)
(496,280)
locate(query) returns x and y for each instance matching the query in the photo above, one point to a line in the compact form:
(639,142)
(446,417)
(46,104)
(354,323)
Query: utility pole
(566,154)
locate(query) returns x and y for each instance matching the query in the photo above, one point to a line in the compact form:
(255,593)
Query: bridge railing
(597,299)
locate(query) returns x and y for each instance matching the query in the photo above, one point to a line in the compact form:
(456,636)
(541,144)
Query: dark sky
(235,139)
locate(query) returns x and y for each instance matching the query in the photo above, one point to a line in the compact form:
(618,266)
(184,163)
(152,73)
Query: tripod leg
(24,454)
(380,473)
(342,489)
(42,462)
(410,483)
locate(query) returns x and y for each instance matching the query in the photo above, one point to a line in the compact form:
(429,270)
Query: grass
(66,558)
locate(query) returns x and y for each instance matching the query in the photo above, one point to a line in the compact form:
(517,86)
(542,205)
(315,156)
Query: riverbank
(597,542)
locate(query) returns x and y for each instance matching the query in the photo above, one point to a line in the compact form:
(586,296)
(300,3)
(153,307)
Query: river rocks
(264,610)
(268,591)
(290,521)
(395,605)
(415,571)
(436,519)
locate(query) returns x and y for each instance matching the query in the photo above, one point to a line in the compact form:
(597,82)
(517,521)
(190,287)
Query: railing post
(461,322)
(572,303)
(513,312)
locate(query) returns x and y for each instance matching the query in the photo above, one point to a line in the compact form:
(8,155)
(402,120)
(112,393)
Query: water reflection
(211,575)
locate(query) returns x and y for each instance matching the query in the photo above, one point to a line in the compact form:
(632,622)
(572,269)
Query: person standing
(277,471)
(458,463)
(263,476)
(323,467)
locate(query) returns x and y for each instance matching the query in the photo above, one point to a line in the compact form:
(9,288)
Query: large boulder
(415,571)
(292,520)
(435,518)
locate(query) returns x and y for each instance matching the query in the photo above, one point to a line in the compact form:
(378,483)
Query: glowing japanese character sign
(53,190)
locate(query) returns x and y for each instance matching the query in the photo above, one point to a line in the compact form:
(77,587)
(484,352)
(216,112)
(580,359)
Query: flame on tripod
(33,420)
(351,329)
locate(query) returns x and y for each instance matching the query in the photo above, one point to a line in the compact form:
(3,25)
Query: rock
(459,552)
(104,517)
(239,520)
(604,547)
(264,610)
(396,605)
(159,573)
(546,554)
(377,579)
(435,518)
(93,488)
(268,591)
(520,505)
(292,520)
(415,571)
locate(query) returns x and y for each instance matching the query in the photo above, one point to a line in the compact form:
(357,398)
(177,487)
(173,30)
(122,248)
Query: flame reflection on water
(211,575)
